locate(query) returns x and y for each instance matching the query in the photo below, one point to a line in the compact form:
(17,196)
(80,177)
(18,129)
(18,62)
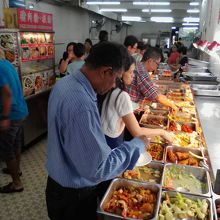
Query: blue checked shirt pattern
(78,155)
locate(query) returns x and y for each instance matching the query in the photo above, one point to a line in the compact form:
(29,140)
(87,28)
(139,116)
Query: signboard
(25,19)
(34,20)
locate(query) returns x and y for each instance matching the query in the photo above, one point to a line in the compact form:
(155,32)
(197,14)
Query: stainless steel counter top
(209,113)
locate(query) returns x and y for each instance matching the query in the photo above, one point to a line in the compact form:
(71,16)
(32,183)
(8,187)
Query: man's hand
(4,124)
(144,139)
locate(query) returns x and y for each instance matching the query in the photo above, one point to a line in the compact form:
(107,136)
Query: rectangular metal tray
(199,173)
(192,197)
(181,149)
(216,202)
(158,112)
(148,125)
(124,182)
(184,116)
(163,146)
(191,124)
(212,93)
(151,165)
(200,76)
(204,87)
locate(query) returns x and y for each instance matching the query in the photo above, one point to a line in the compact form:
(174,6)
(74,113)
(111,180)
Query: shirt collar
(81,78)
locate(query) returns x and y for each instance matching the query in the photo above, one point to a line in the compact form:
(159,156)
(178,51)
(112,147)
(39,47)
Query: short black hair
(103,36)
(107,54)
(141,45)
(153,53)
(79,50)
(70,44)
(182,50)
(130,40)
(87,40)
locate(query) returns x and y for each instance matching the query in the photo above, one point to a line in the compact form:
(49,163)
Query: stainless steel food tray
(116,183)
(143,122)
(216,202)
(200,173)
(152,164)
(192,197)
(191,124)
(199,76)
(181,149)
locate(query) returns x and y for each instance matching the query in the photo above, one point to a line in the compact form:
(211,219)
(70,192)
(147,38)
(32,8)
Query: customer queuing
(78,156)
(131,43)
(88,46)
(68,57)
(13,110)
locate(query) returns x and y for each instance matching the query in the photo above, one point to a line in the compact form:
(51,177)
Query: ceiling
(178,9)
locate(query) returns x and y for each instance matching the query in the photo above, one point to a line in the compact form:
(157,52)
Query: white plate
(144,159)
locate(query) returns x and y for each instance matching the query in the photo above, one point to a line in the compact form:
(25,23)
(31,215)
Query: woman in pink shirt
(174,56)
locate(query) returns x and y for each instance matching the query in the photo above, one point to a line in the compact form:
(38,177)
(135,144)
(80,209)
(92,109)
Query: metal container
(155,165)
(143,122)
(158,112)
(116,183)
(191,125)
(200,174)
(186,117)
(204,87)
(158,106)
(162,146)
(181,149)
(216,203)
(200,76)
(192,197)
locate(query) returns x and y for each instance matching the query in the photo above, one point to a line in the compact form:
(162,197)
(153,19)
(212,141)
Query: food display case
(28,43)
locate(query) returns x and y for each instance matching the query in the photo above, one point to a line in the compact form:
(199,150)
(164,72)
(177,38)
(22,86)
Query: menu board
(8,43)
(36,46)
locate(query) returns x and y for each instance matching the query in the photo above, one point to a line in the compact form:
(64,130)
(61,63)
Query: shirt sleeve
(146,87)
(93,159)
(3,81)
(124,104)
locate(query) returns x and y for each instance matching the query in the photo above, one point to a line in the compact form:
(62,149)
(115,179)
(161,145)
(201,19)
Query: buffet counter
(209,113)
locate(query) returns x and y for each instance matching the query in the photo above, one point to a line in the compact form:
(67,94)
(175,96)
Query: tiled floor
(29,204)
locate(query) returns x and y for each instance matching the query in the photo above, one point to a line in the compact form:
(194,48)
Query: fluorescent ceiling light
(131,18)
(162,19)
(193,11)
(191,19)
(173,28)
(113,10)
(151,3)
(190,28)
(157,10)
(194,3)
(103,3)
(190,24)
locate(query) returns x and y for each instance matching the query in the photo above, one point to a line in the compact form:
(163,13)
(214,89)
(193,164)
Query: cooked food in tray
(185,104)
(153,121)
(158,139)
(7,41)
(132,202)
(180,206)
(218,208)
(182,157)
(178,178)
(156,150)
(190,110)
(185,127)
(144,173)
(158,112)
(186,140)
(182,117)
(159,106)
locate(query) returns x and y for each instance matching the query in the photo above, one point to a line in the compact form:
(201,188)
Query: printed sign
(34,20)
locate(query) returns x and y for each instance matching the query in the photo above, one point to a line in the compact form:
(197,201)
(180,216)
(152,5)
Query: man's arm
(165,101)
(6,107)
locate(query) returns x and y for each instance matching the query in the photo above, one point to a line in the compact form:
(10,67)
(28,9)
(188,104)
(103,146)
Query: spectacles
(158,63)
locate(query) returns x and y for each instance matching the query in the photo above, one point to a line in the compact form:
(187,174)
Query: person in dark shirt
(103,36)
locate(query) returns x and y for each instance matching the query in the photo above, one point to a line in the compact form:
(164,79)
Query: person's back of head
(152,53)
(107,54)
(182,50)
(79,50)
(87,40)
(103,36)
(130,40)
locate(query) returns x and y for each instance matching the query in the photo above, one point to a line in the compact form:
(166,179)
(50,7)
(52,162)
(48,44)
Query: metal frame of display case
(35,124)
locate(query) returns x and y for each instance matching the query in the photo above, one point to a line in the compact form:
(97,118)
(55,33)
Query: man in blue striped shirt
(78,155)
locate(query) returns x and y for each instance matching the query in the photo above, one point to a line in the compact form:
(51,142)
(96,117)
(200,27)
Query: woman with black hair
(117,112)
(68,57)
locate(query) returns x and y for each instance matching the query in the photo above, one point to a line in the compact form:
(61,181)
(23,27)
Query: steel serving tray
(158,112)
(143,122)
(152,164)
(119,182)
(181,149)
(200,76)
(191,124)
(184,116)
(192,197)
(200,173)
(163,145)
(216,203)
